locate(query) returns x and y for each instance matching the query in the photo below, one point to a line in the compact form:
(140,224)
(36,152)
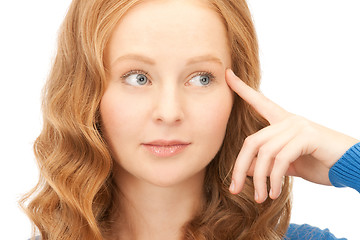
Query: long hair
(74,196)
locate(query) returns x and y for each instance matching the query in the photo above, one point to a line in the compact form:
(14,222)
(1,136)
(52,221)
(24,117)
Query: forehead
(177,26)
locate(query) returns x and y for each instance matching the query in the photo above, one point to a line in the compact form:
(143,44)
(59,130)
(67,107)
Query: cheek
(214,115)
(110,111)
(118,116)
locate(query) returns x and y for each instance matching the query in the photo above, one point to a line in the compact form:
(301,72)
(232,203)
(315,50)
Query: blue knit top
(344,173)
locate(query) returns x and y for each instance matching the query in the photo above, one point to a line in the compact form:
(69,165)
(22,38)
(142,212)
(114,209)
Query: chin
(164,173)
(167,179)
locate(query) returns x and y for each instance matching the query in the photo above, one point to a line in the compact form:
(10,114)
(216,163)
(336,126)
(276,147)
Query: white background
(310,54)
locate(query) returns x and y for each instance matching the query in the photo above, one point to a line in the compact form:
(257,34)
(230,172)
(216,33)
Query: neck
(152,212)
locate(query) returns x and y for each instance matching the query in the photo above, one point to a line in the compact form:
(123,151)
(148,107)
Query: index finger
(264,106)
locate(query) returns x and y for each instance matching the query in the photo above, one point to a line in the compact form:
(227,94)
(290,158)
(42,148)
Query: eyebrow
(147,60)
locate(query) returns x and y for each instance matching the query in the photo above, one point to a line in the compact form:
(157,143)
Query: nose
(168,106)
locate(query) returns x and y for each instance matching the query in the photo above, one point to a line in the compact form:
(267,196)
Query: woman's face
(166,86)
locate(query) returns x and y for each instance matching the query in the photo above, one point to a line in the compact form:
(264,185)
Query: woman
(144,122)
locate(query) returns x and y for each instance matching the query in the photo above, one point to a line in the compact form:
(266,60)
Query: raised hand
(291,145)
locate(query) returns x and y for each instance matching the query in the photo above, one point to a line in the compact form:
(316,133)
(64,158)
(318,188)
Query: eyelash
(134,72)
(210,74)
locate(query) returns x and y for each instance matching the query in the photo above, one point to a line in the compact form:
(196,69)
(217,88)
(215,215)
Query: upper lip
(162,142)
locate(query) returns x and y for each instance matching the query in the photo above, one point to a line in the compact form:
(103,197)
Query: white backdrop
(310,56)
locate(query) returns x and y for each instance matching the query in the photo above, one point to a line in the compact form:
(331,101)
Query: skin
(172,104)
(291,145)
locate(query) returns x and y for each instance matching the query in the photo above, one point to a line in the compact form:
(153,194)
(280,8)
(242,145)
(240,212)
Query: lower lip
(165,151)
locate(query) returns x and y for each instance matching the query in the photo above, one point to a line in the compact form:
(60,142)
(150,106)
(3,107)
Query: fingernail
(256,196)
(232,73)
(232,186)
(271,194)
(274,196)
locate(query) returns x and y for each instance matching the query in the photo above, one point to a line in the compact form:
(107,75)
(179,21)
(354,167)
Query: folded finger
(288,154)
(248,153)
(265,161)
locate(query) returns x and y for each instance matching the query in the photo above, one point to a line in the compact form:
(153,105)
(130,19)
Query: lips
(167,142)
(166,148)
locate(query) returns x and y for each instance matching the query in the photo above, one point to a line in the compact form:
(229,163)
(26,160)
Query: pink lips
(164,148)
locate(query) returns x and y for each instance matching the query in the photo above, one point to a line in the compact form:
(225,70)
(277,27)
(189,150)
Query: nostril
(168,106)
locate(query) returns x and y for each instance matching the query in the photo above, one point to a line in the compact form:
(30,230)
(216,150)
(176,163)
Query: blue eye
(135,78)
(140,78)
(202,79)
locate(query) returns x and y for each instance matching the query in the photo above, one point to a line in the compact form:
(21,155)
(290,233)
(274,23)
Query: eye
(202,79)
(135,78)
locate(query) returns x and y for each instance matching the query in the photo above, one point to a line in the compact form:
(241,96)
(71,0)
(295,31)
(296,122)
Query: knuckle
(259,177)
(295,119)
(308,130)
(281,164)
(250,141)
(275,176)
(239,170)
(301,122)
(266,151)
(280,159)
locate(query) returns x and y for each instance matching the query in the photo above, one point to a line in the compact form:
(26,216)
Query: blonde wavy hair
(74,196)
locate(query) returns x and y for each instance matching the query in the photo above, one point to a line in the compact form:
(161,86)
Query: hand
(291,145)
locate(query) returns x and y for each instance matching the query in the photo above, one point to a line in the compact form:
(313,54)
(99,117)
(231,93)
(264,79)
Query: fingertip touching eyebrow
(150,61)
